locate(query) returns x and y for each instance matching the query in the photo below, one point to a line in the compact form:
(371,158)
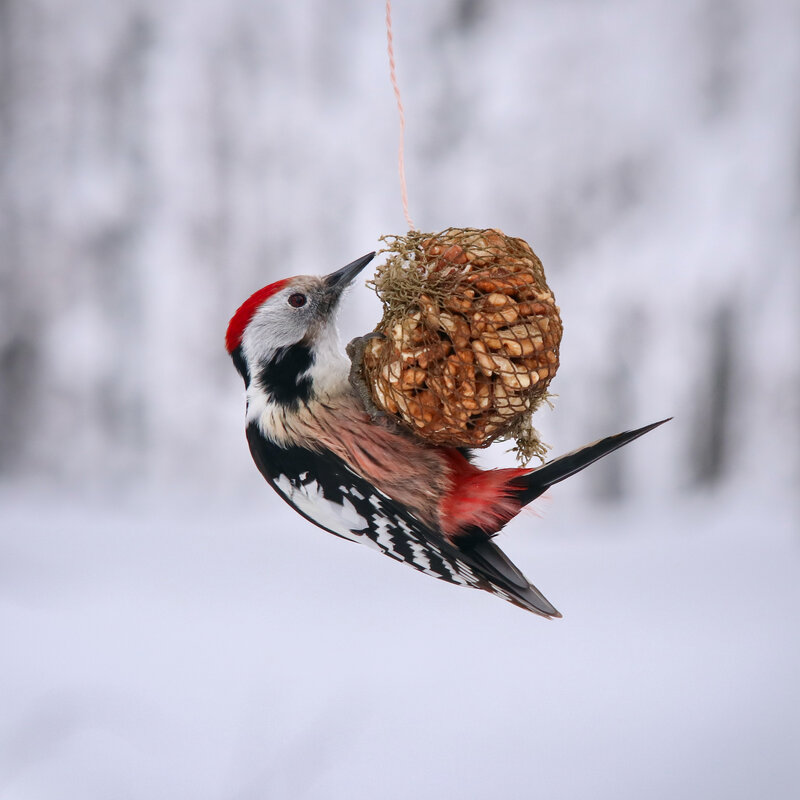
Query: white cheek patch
(343,519)
(274,325)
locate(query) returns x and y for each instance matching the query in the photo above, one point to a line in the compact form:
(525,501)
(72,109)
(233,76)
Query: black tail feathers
(540,480)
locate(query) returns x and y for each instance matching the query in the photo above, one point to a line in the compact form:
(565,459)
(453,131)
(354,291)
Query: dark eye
(297,300)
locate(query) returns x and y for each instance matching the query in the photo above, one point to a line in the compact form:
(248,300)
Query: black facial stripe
(241,365)
(285,377)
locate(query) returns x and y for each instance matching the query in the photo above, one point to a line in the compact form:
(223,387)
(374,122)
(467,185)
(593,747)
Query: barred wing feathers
(325,491)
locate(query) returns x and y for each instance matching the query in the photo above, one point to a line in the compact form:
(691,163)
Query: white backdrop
(170,629)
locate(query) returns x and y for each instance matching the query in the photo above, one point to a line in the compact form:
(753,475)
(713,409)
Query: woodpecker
(365,480)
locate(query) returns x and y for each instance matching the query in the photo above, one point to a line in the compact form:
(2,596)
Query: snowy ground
(178,649)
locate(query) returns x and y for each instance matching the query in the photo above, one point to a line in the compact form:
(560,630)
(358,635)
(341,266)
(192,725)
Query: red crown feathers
(241,319)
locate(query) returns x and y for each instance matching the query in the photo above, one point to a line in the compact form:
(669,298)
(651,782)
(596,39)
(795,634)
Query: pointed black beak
(337,281)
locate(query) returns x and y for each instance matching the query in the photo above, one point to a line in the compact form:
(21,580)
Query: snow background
(169,628)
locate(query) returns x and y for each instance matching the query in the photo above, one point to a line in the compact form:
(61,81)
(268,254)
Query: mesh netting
(470,338)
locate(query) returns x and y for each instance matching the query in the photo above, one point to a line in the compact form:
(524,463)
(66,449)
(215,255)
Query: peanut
(505,316)
(384,399)
(430,312)
(479,255)
(494,285)
(447,322)
(467,356)
(461,305)
(402,403)
(515,378)
(501,402)
(479,323)
(484,395)
(497,300)
(431,353)
(430,405)
(494,238)
(412,378)
(455,254)
(484,359)
(525,308)
(516,342)
(518,280)
(522,243)
(526,276)
(391,372)
(513,347)
(408,357)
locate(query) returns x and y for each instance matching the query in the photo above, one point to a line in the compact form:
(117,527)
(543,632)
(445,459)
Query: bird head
(286,331)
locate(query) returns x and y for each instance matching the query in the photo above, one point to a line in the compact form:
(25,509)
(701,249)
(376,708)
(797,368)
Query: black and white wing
(324,490)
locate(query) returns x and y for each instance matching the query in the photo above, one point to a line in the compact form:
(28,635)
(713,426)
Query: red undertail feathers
(483,499)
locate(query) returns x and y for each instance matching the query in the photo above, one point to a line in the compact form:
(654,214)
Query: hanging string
(400,150)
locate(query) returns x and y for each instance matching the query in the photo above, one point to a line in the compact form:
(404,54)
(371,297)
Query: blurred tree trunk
(19,329)
(122,97)
(712,432)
